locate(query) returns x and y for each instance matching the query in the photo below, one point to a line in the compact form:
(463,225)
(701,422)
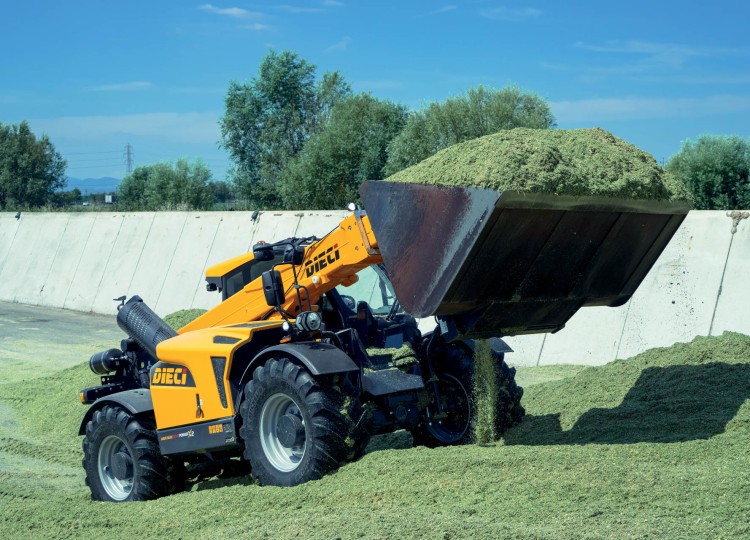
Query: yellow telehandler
(294,370)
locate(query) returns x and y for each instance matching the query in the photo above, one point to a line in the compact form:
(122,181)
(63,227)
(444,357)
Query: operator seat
(365,324)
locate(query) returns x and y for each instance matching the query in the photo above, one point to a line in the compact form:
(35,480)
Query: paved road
(36,341)
(51,323)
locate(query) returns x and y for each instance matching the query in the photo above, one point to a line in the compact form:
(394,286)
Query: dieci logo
(171,375)
(322,260)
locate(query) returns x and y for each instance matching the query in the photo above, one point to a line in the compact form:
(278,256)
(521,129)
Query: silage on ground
(655,446)
(563,162)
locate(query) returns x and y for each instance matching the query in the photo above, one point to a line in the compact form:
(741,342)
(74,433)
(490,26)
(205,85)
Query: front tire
(294,429)
(122,460)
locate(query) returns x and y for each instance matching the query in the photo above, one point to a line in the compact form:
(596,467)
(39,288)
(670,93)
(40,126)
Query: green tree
(269,119)
(715,168)
(31,170)
(221,191)
(67,198)
(350,149)
(132,190)
(164,186)
(480,111)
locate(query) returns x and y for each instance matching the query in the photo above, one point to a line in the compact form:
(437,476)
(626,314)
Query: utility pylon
(129,158)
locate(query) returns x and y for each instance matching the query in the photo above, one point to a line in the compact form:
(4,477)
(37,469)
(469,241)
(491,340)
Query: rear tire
(122,460)
(509,411)
(456,423)
(293,428)
(455,373)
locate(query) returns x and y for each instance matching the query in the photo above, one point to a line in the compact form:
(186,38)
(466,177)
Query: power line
(87,153)
(112,159)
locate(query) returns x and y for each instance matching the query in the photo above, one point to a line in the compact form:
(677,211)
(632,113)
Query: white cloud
(192,127)
(444,9)
(123,87)
(234,12)
(340,46)
(598,71)
(650,61)
(510,14)
(297,9)
(635,108)
(655,53)
(332,3)
(697,79)
(257,27)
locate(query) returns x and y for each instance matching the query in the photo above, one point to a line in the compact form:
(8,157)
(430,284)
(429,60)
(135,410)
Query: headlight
(308,321)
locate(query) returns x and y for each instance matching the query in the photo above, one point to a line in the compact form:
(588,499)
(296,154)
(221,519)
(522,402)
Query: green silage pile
(651,447)
(180,318)
(562,162)
(685,392)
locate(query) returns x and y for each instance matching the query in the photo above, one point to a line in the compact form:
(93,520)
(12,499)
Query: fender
(318,358)
(135,401)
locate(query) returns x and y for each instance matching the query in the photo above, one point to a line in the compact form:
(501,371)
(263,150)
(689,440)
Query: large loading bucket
(505,263)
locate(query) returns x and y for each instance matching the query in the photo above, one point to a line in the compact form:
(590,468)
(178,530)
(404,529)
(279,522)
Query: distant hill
(106,184)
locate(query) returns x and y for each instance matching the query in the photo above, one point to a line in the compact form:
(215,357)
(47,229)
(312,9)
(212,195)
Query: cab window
(236,280)
(373,287)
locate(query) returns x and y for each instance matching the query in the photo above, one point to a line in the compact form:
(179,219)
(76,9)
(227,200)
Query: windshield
(373,287)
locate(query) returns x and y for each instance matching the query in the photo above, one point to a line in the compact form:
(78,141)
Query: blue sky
(96,76)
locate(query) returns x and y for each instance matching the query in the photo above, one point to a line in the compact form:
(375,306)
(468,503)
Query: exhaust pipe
(143,325)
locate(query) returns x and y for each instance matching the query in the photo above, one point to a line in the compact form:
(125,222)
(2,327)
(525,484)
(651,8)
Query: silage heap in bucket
(505,263)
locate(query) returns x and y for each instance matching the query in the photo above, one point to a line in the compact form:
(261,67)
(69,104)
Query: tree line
(298,140)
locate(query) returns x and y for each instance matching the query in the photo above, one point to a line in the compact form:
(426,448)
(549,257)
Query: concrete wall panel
(676,300)
(234,236)
(94,260)
(83,260)
(8,226)
(591,337)
(156,256)
(21,254)
(185,273)
(319,223)
(126,252)
(44,250)
(274,226)
(527,349)
(67,259)
(732,308)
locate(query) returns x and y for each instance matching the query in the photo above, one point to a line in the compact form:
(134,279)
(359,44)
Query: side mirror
(273,288)
(263,252)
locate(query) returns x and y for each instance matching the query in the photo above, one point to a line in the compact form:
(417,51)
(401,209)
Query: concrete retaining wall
(82,261)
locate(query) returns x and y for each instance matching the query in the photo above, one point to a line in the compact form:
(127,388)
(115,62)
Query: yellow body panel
(175,400)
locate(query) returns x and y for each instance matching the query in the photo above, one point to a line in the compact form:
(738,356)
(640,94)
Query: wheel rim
(456,404)
(117,483)
(283,458)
